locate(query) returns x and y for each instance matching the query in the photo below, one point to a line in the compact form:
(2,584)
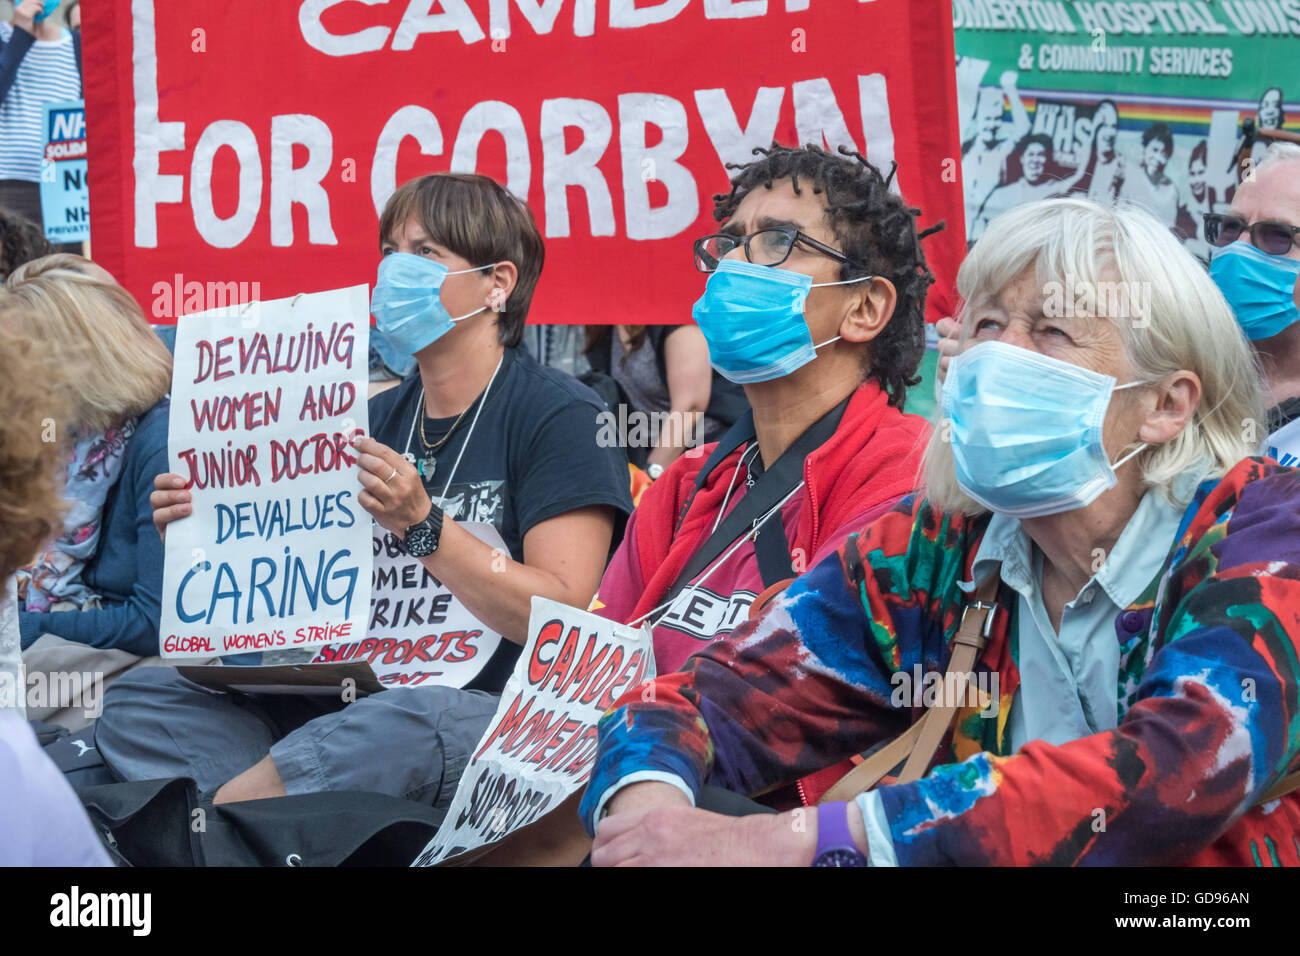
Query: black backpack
(167,823)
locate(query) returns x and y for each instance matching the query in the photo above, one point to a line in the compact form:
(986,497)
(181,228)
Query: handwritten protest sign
(606,117)
(420,633)
(277,551)
(541,745)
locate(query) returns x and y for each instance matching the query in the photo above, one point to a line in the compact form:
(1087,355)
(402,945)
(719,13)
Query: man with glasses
(1256,263)
(814,302)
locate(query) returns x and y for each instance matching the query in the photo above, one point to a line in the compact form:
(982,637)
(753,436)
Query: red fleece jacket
(872,460)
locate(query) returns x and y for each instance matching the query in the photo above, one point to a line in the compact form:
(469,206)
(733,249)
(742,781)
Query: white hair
(1279,152)
(1175,319)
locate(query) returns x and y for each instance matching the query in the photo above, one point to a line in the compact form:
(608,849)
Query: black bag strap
(739,434)
(772,548)
(771,487)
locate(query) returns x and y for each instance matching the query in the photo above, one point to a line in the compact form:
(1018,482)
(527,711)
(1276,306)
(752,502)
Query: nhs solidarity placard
(276,552)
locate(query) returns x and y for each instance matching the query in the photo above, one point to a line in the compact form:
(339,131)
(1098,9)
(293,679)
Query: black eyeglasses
(1275,238)
(767,247)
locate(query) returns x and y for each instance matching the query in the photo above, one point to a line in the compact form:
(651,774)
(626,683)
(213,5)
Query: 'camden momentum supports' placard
(277,551)
(541,745)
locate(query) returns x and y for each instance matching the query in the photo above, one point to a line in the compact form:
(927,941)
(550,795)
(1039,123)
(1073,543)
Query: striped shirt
(47,74)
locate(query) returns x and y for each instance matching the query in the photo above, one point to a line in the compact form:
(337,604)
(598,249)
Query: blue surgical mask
(1259,287)
(50,7)
(1026,430)
(752,318)
(407,303)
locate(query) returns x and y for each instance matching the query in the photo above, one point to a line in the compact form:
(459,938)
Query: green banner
(1140,102)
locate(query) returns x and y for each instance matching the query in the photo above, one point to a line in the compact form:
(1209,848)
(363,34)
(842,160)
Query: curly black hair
(873,226)
(21,240)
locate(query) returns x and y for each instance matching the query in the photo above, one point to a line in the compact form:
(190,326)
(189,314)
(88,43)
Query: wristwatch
(422,538)
(835,845)
(654,471)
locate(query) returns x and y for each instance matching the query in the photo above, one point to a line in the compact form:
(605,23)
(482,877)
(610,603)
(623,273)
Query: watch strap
(432,522)
(833,828)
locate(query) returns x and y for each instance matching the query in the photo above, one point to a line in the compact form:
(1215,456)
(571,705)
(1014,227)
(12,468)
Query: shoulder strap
(1284,786)
(737,435)
(773,485)
(772,549)
(918,744)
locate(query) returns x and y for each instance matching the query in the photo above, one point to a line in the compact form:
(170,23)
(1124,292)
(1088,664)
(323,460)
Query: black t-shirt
(532,455)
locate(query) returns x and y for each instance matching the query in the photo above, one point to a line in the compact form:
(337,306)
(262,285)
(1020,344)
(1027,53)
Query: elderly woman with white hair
(1079,642)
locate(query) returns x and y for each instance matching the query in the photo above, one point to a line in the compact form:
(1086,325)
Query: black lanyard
(771,547)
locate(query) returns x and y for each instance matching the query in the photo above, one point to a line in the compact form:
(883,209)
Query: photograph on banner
(65,190)
(617,140)
(421,633)
(266,398)
(541,744)
(1141,102)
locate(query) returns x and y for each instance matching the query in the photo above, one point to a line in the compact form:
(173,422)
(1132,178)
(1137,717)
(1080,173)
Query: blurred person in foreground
(1089,484)
(91,599)
(41,819)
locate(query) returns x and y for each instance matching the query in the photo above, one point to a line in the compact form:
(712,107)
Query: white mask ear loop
(819,285)
(822,285)
(468,315)
(1120,388)
(461,272)
(1128,456)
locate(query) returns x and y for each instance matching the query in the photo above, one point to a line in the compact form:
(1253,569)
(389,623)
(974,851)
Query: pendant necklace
(428,464)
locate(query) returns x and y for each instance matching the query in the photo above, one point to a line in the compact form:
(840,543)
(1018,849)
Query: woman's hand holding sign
(170,500)
(393,492)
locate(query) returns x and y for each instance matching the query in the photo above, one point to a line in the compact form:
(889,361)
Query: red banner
(242,149)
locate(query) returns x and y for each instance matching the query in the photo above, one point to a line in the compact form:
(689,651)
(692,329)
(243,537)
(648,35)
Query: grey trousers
(411,742)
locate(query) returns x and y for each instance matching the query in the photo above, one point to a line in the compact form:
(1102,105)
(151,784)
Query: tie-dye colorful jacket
(1208,690)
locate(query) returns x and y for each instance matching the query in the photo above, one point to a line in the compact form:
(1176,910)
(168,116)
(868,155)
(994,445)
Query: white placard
(541,744)
(276,552)
(420,633)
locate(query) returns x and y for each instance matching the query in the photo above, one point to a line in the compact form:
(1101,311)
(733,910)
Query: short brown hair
(33,394)
(482,222)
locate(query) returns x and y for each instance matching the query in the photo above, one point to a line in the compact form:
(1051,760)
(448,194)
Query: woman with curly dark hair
(814,303)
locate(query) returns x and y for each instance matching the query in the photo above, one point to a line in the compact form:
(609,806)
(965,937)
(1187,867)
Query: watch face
(840,858)
(420,543)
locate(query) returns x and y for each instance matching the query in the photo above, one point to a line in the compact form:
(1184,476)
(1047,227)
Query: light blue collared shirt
(1069,681)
